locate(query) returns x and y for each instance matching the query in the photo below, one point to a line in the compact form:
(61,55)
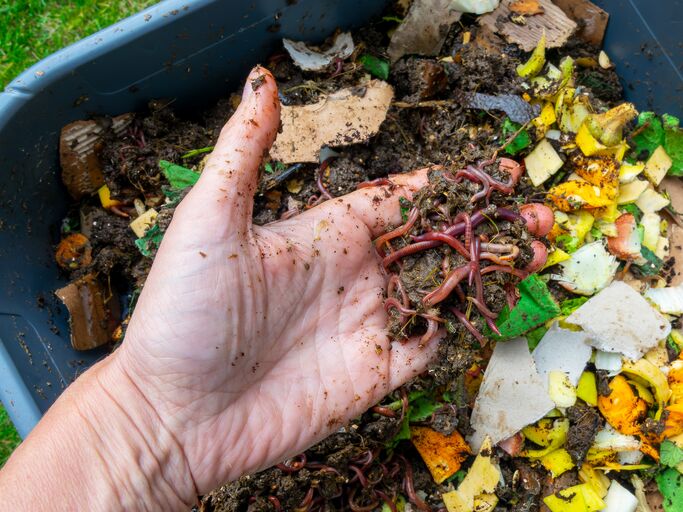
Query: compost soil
(366,455)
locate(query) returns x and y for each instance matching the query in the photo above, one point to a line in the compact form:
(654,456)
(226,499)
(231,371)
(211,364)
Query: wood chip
(81,169)
(348,116)
(88,312)
(591,19)
(558,27)
(424,29)
(526,7)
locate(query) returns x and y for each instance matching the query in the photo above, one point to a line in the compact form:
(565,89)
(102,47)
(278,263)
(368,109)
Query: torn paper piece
(346,117)
(558,27)
(310,58)
(424,29)
(563,350)
(619,319)
(512,394)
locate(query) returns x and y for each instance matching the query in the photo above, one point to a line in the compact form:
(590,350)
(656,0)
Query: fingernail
(255,80)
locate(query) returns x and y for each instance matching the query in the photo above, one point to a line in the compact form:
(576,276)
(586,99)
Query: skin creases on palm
(253,342)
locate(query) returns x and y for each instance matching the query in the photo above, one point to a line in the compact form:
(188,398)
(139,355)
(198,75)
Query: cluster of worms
(371,479)
(479,253)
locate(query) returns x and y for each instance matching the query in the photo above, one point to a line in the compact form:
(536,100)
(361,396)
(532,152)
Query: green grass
(33,29)
(29,31)
(9,439)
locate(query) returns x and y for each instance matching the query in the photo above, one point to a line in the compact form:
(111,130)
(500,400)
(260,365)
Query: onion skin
(539,218)
(540,256)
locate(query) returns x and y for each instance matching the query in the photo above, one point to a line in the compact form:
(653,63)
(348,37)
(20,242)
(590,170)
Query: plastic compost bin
(195,52)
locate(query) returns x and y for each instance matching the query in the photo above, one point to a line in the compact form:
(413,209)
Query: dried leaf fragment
(348,116)
(424,29)
(526,7)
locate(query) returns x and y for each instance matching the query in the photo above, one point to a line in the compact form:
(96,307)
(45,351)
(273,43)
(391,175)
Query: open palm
(252,343)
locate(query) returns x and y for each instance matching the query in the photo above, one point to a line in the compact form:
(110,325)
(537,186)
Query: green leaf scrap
(664,132)
(535,307)
(670,483)
(670,454)
(633,210)
(567,307)
(522,141)
(423,408)
(375,66)
(651,133)
(534,337)
(652,266)
(151,241)
(178,176)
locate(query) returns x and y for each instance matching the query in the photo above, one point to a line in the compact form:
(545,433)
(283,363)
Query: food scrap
(544,251)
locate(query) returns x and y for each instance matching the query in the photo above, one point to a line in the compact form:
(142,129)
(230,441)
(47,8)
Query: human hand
(251,343)
(248,344)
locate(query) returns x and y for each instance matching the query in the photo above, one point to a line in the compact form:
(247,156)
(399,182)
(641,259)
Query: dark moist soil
(412,136)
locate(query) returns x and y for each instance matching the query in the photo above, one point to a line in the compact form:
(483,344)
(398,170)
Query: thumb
(230,175)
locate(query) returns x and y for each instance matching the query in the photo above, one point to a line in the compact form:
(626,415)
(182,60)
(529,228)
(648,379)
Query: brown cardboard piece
(558,27)
(348,116)
(592,20)
(81,169)
(674,187)
(88,312)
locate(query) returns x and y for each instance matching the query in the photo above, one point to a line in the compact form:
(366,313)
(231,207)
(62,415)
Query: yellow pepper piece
(572,195)
(653,376)
(578,498)
(556,231)
(580,223)
(105,197)
(555,256)
(547,116)
(557,462)
(622,408)
(675,379)
(674,421)
(595,478)
(609,213)
(587,389)
(534,65)
(442,454)
(601,171)
(481,479)
(547,433)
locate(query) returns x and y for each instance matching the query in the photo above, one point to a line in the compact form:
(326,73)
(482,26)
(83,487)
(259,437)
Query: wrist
(99,447)
(143,461)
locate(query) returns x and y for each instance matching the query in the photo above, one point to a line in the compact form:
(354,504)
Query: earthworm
(408,486)
(292,465)
(447,286)
(468,325)
(399,231)
(386,499)
(377,182)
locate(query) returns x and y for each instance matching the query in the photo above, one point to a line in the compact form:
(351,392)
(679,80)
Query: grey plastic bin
(195,52)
